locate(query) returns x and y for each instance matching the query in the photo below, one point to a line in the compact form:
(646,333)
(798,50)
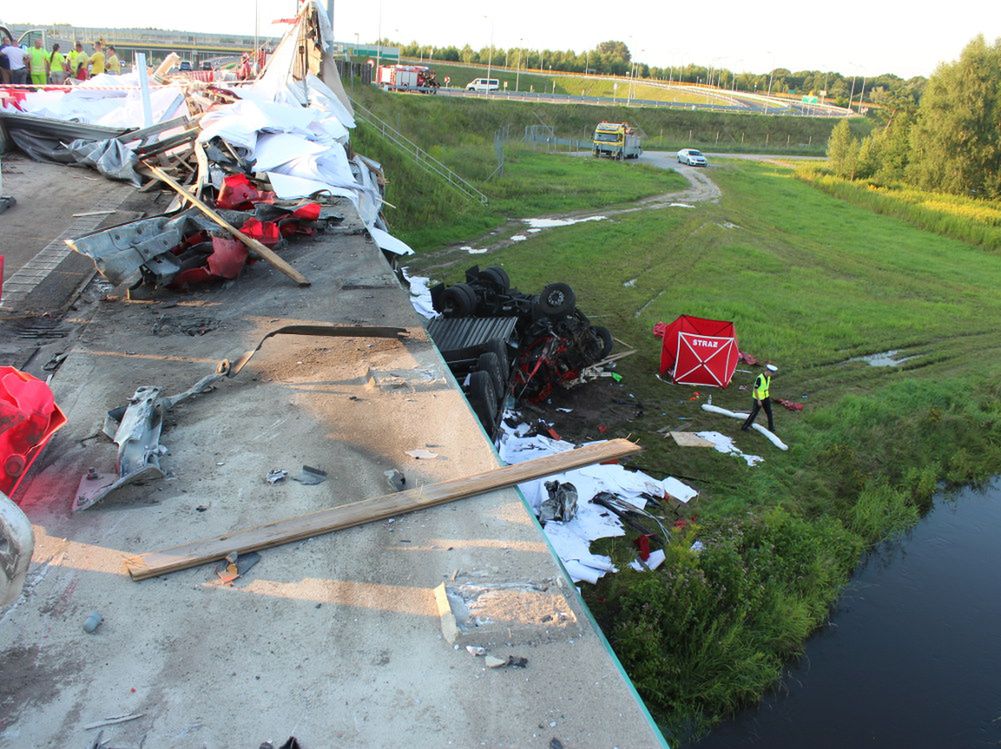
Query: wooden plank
(690,439)
(255,247)
(288,530)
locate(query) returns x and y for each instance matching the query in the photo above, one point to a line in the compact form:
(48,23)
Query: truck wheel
(498,348)
(497,277)
(490,364)
(556,299)
(458,300)
(604,337)
(483,399)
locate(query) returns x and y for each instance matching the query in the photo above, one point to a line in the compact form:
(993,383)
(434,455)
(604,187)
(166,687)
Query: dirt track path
(701,189)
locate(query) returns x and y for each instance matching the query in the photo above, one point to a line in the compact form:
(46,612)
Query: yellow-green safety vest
(761,385)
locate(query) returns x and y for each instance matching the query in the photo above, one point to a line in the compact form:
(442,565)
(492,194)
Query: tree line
(950,141)
(614,58)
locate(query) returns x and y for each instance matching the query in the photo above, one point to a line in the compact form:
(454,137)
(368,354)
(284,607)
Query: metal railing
(421,157)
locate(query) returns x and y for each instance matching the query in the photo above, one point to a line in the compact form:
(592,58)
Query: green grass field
(811,282)
(568,84)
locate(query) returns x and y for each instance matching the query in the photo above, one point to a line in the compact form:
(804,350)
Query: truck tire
(497,277)
(483,399)
(499,349)
(458,301)
(604,335)
(490,364)
(556,299)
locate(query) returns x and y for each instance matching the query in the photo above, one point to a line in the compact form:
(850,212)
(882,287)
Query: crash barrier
(29,416)
(421,157)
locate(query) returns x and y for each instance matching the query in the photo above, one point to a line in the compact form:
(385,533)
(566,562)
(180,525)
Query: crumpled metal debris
(561,504)
(159,249)
(276,475)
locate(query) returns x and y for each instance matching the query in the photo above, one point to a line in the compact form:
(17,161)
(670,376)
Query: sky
(854,37)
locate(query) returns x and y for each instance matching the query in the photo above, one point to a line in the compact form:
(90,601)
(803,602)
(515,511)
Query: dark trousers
(767,405)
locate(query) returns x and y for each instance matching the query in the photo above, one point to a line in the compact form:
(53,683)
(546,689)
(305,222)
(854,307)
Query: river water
(912,655)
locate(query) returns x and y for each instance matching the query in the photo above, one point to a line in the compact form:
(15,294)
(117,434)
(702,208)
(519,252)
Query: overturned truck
(501,342)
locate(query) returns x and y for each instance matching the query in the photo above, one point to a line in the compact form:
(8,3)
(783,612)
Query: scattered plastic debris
(725,444)
(92,622)
(422,454)
(276,475)
(518,238)
(395,479)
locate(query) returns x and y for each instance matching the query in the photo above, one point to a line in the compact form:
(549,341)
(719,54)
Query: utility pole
(851,96)
(861,95)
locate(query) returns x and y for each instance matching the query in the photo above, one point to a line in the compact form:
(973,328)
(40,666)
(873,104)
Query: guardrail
(421,157)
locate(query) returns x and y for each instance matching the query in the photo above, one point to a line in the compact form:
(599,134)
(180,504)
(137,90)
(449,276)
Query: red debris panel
(791,405)
(239,193)
(698,351)
(29,416)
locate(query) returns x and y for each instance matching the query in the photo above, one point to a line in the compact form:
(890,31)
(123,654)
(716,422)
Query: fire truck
(418,78)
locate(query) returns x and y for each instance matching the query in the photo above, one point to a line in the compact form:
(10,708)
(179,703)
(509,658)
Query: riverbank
(909,658)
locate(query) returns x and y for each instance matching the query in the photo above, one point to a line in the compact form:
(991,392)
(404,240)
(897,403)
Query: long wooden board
(256,248)
(288,530)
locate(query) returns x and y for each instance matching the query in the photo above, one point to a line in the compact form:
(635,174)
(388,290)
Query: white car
(692,157)
(483,85)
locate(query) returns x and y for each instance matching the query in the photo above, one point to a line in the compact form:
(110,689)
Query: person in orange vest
(762,397)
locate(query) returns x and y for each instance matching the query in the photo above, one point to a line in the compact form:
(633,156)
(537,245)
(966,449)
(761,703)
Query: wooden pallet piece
(288,530)
(690,439)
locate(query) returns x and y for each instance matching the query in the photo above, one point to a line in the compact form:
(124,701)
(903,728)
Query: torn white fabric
(654,561)
(275,149)
(572,540)
(288,187)
(772,437)
(724,444)
(389,243)
(679,490)
(420,294)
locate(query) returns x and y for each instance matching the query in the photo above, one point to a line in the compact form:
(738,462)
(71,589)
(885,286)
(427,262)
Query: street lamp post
(490,53)
(517,74)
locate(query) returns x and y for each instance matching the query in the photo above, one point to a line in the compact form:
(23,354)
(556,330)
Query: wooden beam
(256,248)
(288,530)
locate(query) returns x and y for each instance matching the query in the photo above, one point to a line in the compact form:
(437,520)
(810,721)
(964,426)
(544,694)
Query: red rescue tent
(698,351)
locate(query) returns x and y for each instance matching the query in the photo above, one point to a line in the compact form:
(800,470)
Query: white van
(483,85)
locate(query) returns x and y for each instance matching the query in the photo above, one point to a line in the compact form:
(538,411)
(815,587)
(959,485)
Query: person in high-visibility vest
(38,62)
(762,398)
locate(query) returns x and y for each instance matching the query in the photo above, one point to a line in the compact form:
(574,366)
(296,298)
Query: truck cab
(617,140)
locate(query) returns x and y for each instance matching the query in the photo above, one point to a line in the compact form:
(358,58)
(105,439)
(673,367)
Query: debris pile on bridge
(275,149)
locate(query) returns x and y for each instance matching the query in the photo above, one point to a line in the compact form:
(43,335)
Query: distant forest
(614,57)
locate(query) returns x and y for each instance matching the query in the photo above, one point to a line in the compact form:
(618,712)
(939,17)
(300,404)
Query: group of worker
(39,66)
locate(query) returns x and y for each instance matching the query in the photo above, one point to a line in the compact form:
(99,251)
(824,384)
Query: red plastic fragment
(265,232)
(228,257)
(238,193)
(642,543)
(29,416)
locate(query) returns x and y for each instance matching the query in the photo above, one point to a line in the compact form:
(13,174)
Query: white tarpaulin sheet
(572,539)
